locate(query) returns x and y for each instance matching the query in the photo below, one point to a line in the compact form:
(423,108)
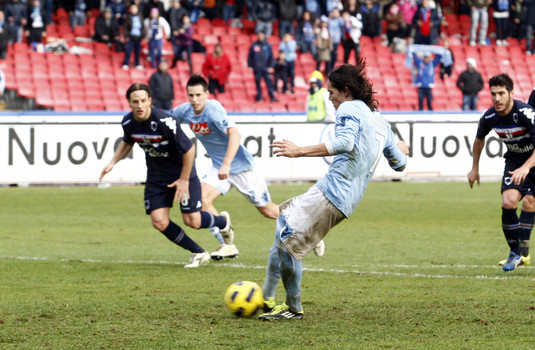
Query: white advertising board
(74,148)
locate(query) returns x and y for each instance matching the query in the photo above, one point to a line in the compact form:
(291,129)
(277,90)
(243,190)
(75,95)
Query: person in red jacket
(216,68)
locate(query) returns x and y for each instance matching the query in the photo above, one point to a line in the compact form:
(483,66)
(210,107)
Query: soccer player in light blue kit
(361,136)
(232,164)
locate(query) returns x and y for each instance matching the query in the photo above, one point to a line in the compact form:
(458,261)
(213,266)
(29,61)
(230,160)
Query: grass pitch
(415,267)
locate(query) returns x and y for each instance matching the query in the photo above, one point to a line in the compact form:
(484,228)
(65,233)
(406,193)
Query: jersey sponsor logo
(517,149)
(200,128)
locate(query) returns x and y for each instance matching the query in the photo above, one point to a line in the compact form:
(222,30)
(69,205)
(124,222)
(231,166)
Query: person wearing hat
(319,107)
(470,82)
(157,28)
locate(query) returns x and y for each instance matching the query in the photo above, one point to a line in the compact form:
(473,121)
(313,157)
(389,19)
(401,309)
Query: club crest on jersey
(153,125)
(200,128)
(515,117)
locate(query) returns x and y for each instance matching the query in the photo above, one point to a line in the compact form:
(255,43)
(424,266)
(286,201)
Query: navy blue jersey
(163,141)
(516,129)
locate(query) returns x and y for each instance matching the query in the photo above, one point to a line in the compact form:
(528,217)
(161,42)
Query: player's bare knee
(160,225)
(528,203)
(192,221)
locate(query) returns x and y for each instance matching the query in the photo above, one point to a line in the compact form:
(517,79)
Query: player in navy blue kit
(513,121)
(171,173)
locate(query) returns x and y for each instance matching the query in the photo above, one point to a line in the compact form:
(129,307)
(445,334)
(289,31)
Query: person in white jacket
(157,28)
(352,31)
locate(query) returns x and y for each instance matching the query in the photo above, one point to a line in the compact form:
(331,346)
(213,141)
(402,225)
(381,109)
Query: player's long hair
(354,78)
(137,87)
(197,79)
(502,80)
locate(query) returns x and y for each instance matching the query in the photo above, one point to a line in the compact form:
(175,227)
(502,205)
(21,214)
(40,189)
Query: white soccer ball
(244,298)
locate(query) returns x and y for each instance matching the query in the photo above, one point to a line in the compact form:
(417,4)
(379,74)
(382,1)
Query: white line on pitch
(312,269)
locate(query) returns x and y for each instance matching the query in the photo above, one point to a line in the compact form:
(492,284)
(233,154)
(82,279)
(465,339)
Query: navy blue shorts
(158,195)
(525,188)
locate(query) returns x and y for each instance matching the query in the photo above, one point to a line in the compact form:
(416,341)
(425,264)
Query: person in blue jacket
(425,78)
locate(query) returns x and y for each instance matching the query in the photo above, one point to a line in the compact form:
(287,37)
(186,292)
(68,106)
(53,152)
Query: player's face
(197,97)
(140,103)
(336,96)
(501,99)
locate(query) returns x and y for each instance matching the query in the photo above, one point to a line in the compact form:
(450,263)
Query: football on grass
(244,298)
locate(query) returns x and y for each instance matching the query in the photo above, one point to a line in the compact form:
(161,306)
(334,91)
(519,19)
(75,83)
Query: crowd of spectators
(317,27)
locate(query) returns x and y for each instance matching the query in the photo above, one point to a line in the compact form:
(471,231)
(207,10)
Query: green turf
(415,267)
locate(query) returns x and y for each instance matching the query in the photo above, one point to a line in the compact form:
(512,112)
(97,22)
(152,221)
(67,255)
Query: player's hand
(403,147)
(104,171)
(182,190)
(473,176)
(285,148)
(519,175)
(223,172)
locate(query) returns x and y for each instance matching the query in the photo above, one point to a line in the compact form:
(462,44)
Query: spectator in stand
(501,17)
(264,14)
(152,4)
(426,22)
(530,25)
(331,5)
(6,34)
(352,7)
(371,18)
(395,24)
(36,22)
(470,83)
(217,68)
(287,11)
(279,71)
(161,85)
(210,9)
(314,7)
(176,13)
(425,78)
(48,7)
(228,11)
(194,9)
(351,35)
(324,45)
(77,10)
(157,29)
(183,42)
(16,15)
(319,106)
(447,60)
(336,23)
(306,35)
(517,19)
(408,9)
(289,46)
(118,9)
(260,62)
(479,13)
(107,28)
(133,32)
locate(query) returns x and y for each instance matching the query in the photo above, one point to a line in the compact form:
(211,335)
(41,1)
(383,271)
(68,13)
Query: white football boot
(198,259)
(227,232)
(225,251)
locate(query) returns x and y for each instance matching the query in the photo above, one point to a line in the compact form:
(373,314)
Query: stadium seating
(96,81)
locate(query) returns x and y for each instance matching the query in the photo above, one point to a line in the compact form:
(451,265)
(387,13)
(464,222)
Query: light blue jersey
(210,127)
(361,136)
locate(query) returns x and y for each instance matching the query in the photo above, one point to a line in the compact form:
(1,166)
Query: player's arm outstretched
(477,148)
(182,183)
(286,148)
(122,151)
(234,137)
